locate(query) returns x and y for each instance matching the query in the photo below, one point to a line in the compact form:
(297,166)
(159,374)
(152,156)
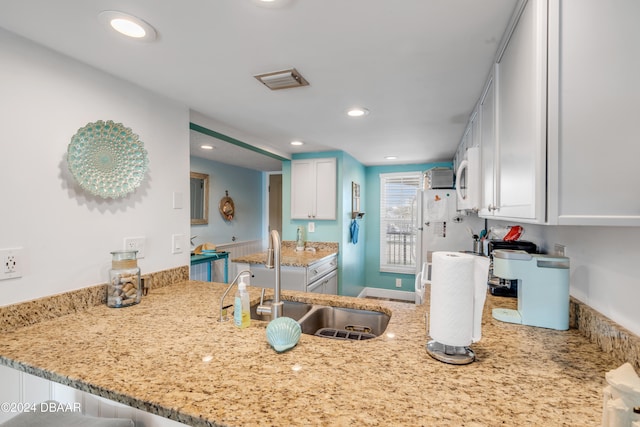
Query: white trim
(387,293)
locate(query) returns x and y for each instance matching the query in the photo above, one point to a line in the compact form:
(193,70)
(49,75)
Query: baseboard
(387,293)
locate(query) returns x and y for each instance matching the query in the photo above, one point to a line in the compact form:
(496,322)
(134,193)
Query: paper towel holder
(454,355)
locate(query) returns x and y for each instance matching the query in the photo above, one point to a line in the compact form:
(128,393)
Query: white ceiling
(417,65)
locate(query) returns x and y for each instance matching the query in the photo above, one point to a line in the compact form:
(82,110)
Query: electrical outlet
(135,244)
(311,227)
(10,263)
(398,283)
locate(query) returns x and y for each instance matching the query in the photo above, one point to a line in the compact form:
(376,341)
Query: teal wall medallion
(107,159)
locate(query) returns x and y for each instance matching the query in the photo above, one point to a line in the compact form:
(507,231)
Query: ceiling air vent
(282,79)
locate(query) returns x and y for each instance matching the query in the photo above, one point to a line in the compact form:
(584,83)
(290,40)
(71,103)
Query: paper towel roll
(458,291)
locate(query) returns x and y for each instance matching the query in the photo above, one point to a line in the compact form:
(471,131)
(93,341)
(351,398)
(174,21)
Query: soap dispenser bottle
(241,310)
(299,239)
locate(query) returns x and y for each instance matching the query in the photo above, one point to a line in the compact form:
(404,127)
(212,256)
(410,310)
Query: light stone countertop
(289,257)
(151,356)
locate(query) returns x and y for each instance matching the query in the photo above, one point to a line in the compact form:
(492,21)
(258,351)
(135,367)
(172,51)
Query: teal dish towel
(354,231)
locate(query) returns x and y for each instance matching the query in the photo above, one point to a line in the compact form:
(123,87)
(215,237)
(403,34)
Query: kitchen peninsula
(170,356)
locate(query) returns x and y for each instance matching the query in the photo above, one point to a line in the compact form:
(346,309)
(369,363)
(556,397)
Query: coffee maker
(500,286)
(543,288)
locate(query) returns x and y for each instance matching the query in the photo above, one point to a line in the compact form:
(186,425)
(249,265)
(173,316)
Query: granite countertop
(170,356)
(314,252)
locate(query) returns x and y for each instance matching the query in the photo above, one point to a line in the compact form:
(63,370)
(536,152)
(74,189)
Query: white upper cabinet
(313,189)
(518,151)
(558,116)
(487,118)
(594,94)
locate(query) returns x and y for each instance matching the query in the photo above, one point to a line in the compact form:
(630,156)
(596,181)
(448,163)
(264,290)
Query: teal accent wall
(350,257)
(326,231)
(245,187)
(353,255)
(373,277)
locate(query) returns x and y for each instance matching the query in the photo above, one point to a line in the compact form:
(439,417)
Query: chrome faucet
(223,310)
(273,262)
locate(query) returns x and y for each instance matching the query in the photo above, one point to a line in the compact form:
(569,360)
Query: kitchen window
(399,221)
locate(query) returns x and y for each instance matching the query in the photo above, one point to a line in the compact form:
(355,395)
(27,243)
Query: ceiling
(417,65)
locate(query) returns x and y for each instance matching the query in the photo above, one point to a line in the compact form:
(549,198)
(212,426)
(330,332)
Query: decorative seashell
(283,333)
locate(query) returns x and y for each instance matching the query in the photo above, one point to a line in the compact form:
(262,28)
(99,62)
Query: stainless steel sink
(344,323)
(292,309)
(332,322)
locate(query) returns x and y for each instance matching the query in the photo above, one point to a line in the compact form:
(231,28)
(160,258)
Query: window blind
(399,221)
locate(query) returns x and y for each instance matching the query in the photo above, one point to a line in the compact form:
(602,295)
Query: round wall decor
(107,159)
(226,207)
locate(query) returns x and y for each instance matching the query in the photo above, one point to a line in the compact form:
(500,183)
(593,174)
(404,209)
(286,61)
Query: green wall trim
(233,141)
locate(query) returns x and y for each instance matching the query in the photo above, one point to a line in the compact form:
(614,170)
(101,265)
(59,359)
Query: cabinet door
(331,286)
(302,188)
(487,149)
(313,189)
(521,119)
(593,109)
(327,285)
(325,201)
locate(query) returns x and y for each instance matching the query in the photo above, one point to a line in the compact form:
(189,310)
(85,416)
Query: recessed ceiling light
(391,157)
(357,112)
(297,143)
(128,25)
(206,147)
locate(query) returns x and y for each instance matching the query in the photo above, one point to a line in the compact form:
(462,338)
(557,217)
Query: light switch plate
(311,227)
(177,200)
(177,243)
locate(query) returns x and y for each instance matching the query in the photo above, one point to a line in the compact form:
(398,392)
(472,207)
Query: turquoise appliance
(543,288)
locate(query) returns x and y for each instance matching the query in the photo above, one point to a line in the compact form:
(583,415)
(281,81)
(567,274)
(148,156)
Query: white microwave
(468,181)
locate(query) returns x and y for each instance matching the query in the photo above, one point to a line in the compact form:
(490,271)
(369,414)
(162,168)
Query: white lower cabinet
(325,285)
(19,389)
(297,278)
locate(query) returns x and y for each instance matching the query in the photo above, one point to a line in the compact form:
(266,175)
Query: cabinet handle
(492,208)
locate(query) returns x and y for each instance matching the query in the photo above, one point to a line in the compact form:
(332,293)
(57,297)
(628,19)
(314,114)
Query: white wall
(66,233)
(605,266)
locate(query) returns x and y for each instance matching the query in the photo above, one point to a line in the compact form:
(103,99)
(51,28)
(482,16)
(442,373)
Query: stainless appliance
(438,178)
(543,289)
(500,286)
